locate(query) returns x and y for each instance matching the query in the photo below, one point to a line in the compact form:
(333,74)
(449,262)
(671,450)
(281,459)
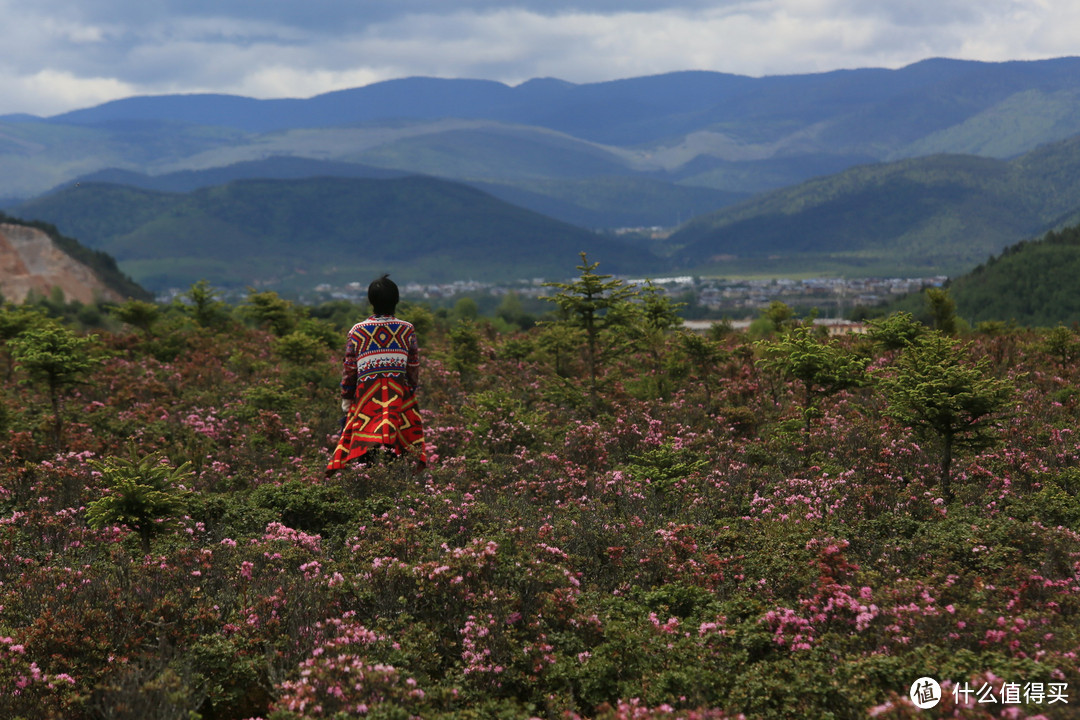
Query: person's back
(379,377)
(384,345)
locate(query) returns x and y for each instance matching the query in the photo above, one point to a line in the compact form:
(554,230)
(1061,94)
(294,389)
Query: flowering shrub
(653,550)
(337,680)
(634,710)
(27,687)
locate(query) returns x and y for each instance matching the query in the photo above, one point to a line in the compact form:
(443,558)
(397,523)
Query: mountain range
(642,151)
(941,214)
(296,234)
(927,169)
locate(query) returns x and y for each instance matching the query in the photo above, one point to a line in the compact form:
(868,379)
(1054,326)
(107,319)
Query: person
(379,377)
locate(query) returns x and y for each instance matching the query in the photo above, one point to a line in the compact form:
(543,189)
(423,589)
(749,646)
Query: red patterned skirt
(384,414)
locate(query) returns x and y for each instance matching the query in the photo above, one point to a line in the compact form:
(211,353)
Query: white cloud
(282,81)
(74,33)
(751,38)
(52,91)
(95,51)
(1031,30)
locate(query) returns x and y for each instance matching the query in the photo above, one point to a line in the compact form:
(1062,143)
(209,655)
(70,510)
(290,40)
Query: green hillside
(1034,282)
(299,233)
(609,201)
(612,201)
(494,153)
(939,215)
(103,265)
(35,156)
(1010,128)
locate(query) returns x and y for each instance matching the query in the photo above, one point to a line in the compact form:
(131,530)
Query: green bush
(304,506)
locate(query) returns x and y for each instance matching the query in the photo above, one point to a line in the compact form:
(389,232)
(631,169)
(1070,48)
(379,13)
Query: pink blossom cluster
(299,538)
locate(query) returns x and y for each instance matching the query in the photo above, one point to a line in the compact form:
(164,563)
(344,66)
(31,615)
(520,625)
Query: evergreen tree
(14,321)
(896,331)
(140,314)
(646,326)
(143,492)
(202,303)
(778,317)
(271,311)
(512,311)
(821,369)
(942,309)
(592,303)
(934,389)
(465,349)
(56,357)
(560,341)
(1062,343)
(705,354)
(659,312)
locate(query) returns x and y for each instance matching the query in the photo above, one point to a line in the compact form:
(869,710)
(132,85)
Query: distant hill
(942,214)
(299,233)
(860,107)
(612,202)
(35,258)
(605,202)
(275,168)
(1034,282)
(936,215)
(548,142)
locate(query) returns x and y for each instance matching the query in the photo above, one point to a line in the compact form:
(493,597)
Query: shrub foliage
(633,548)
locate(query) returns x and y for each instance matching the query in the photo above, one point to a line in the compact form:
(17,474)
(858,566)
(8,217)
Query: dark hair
(383,295)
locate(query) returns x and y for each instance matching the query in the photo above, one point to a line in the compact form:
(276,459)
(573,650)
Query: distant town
(705,296)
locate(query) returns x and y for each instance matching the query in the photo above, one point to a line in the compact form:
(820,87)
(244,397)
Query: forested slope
(1035,282)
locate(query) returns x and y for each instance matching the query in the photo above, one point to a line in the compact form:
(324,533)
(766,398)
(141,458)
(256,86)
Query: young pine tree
(57,358)
(820,369)
(139,314)
(145,494)
(705,355)
(592,303)
(202,302)
(934,389)
(942,309)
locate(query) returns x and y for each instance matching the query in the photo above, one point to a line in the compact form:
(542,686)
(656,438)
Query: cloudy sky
(58,55)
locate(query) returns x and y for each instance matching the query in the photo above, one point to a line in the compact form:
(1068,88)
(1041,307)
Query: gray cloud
(59,54)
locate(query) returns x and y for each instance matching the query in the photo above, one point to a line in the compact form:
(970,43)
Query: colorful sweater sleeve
(412,369)
(348,368)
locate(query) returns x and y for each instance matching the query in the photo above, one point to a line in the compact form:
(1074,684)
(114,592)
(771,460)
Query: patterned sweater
(382,345)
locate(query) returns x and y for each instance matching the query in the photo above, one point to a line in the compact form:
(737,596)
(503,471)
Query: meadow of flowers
(698,538)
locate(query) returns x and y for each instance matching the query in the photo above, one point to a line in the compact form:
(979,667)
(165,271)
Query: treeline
(1032,283)
(509,312)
